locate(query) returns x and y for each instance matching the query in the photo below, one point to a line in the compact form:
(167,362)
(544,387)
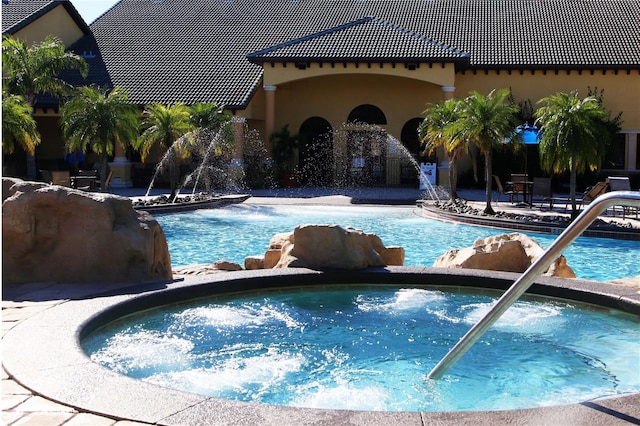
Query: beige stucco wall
(302,94)
(441,74)
(335,96)
(56,22)
(333,92)
(621,90)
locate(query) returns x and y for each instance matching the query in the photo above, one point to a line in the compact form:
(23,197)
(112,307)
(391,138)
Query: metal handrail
(537,268)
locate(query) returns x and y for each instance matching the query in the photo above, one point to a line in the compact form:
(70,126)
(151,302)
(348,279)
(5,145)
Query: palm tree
(208,116)
(18,125)
(207,119)
(435,132)
(486,121)
(30,71)
(99,118)
(165,125)
(575,134)
(210,139)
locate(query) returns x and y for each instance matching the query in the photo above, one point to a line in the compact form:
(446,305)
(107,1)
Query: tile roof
(384,43)
(17,14)
(196,51)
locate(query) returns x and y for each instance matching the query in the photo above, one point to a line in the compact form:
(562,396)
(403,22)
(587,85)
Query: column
(269,116)
(238,137)
(120,168)
(236,166)
(448,92)
(632,151)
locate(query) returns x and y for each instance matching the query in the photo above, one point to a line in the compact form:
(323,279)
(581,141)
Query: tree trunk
(572,190)
(174,171)
(104,158)
(488,175)
(453,177)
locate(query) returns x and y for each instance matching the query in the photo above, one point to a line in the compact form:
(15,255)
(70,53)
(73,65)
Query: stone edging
(545,228)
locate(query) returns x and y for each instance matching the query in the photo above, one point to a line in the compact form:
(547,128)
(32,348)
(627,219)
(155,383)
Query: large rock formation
(508,252)
(58,234)
(330,247)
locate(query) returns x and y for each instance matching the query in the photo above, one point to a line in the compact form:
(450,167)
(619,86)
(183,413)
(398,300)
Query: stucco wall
(56,22)
(334,97)
(402,98)
(621,90)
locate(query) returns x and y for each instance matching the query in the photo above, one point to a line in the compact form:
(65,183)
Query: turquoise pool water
(237,231)
(371,348)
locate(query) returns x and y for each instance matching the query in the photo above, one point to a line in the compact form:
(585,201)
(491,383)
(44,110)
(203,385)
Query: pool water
(371,348)
(234,232)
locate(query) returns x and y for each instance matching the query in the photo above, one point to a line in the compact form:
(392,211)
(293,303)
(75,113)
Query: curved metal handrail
(537,268)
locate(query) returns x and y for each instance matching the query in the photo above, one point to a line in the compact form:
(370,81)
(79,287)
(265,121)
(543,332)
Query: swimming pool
(234,232)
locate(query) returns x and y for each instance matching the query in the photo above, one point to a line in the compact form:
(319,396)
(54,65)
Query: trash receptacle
(427,175)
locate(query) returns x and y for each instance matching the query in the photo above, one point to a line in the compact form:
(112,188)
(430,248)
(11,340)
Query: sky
(91,9)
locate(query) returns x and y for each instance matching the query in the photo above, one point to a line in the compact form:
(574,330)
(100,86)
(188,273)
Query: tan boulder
(278,240)
(271,258)
(56,234)
(507,252)
(226,265)
(253,262)
(392,255)
(328,246)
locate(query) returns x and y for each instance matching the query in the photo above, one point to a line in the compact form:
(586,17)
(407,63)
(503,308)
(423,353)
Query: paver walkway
(20,406)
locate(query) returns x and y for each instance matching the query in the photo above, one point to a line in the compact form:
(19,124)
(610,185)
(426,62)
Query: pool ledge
(42,353)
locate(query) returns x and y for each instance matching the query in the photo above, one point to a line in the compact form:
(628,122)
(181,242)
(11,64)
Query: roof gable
(365,40)
(17,14)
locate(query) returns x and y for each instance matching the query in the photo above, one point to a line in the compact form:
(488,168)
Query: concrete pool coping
(42,353)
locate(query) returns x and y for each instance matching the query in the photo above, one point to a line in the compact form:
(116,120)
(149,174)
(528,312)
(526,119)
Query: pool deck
(23,406)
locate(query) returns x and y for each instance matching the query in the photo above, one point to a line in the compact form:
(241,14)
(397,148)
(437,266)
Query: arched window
(369,114)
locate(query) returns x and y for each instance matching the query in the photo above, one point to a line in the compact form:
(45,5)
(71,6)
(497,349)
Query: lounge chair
(622,184)
(592,193)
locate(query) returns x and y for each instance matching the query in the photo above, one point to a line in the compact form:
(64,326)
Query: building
(316,64)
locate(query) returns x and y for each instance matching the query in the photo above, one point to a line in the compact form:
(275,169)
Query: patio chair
(46,176)
(95,185)
(542,190)
(84,179)
(622,184)
(502,190)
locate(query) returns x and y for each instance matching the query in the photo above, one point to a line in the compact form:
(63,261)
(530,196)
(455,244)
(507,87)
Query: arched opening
(411,141)
(316,152)
(369,114)
(409,137)
(366,146)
